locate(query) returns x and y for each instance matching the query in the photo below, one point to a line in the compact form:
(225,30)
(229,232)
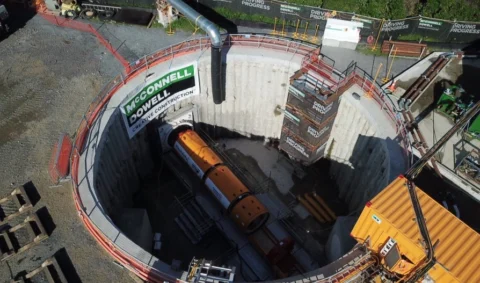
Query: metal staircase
(201,270)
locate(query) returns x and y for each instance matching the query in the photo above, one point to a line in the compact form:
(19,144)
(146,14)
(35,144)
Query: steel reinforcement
(311,62)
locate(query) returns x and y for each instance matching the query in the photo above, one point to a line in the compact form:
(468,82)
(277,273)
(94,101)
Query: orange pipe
(311,210)
(317,207)
(324,205)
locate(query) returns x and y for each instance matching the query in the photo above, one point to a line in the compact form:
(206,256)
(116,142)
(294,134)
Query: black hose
(217,79)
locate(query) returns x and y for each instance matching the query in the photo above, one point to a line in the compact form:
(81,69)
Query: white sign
(393,26)
(322,109)
(465,28)
(260,4)
(298,147)
(316,134)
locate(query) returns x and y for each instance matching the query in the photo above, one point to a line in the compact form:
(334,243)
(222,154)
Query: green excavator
(454,103)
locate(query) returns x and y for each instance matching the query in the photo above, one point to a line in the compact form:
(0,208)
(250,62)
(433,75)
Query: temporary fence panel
(281,10)
(464,32)
(396,28)
(125,3)
(435,30)
(370,26)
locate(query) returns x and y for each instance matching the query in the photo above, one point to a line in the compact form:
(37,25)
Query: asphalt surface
(48,77)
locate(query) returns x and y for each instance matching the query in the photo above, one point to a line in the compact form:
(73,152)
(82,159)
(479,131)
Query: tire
(106,15)
(109,14)
(71,14)
(88,14)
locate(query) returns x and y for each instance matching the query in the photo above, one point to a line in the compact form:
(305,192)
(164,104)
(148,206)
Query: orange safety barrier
(261,41)
(59,160)
(73,24)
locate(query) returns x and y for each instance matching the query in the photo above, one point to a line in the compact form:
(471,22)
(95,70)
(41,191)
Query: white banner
(158,95)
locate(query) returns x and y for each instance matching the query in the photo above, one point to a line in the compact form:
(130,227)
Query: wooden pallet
(14,204)
(11,243)
(49,271)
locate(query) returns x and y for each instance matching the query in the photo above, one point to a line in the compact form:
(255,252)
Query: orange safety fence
(143,271)
(80,26)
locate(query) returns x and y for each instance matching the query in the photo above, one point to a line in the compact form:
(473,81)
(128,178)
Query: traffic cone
(392,86)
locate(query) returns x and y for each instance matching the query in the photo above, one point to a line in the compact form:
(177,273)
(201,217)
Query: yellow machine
(70,8)
(388,228)
(414,238)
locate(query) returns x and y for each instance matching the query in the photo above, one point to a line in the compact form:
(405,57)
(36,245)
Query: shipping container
(388,227)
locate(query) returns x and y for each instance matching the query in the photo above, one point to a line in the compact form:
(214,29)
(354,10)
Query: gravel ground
(48,76)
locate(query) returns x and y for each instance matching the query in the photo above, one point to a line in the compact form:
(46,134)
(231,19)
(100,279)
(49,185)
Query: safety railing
(316,62)
(259,41)
(292,46)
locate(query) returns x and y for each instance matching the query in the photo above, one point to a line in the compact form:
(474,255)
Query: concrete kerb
(145,270)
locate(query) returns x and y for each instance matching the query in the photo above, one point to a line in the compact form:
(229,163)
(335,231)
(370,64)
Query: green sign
(155,97)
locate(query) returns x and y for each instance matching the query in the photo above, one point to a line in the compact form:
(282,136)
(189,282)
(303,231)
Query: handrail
(288,45)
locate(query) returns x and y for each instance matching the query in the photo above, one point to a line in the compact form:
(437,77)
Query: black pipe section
(218,92)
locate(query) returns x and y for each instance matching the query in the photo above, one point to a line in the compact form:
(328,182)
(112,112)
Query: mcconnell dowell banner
(156,96)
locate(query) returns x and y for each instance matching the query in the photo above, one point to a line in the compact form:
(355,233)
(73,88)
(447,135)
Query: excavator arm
(411,174)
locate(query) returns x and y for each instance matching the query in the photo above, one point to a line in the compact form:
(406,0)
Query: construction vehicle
(396,232)
(454,101)
(4,28)
(70,8)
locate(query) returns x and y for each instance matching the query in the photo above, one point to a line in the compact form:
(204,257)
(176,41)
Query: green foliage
(344,5)
(367,50)
(314,3)
(466,10)
(451,9)
(181,24)
(234,15)
(417,37)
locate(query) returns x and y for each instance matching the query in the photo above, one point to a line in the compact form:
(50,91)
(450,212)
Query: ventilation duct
(216,40)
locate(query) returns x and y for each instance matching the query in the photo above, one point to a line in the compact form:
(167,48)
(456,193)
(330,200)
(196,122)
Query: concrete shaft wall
(121,163)
(360,159)
(112,165)
(255,86)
